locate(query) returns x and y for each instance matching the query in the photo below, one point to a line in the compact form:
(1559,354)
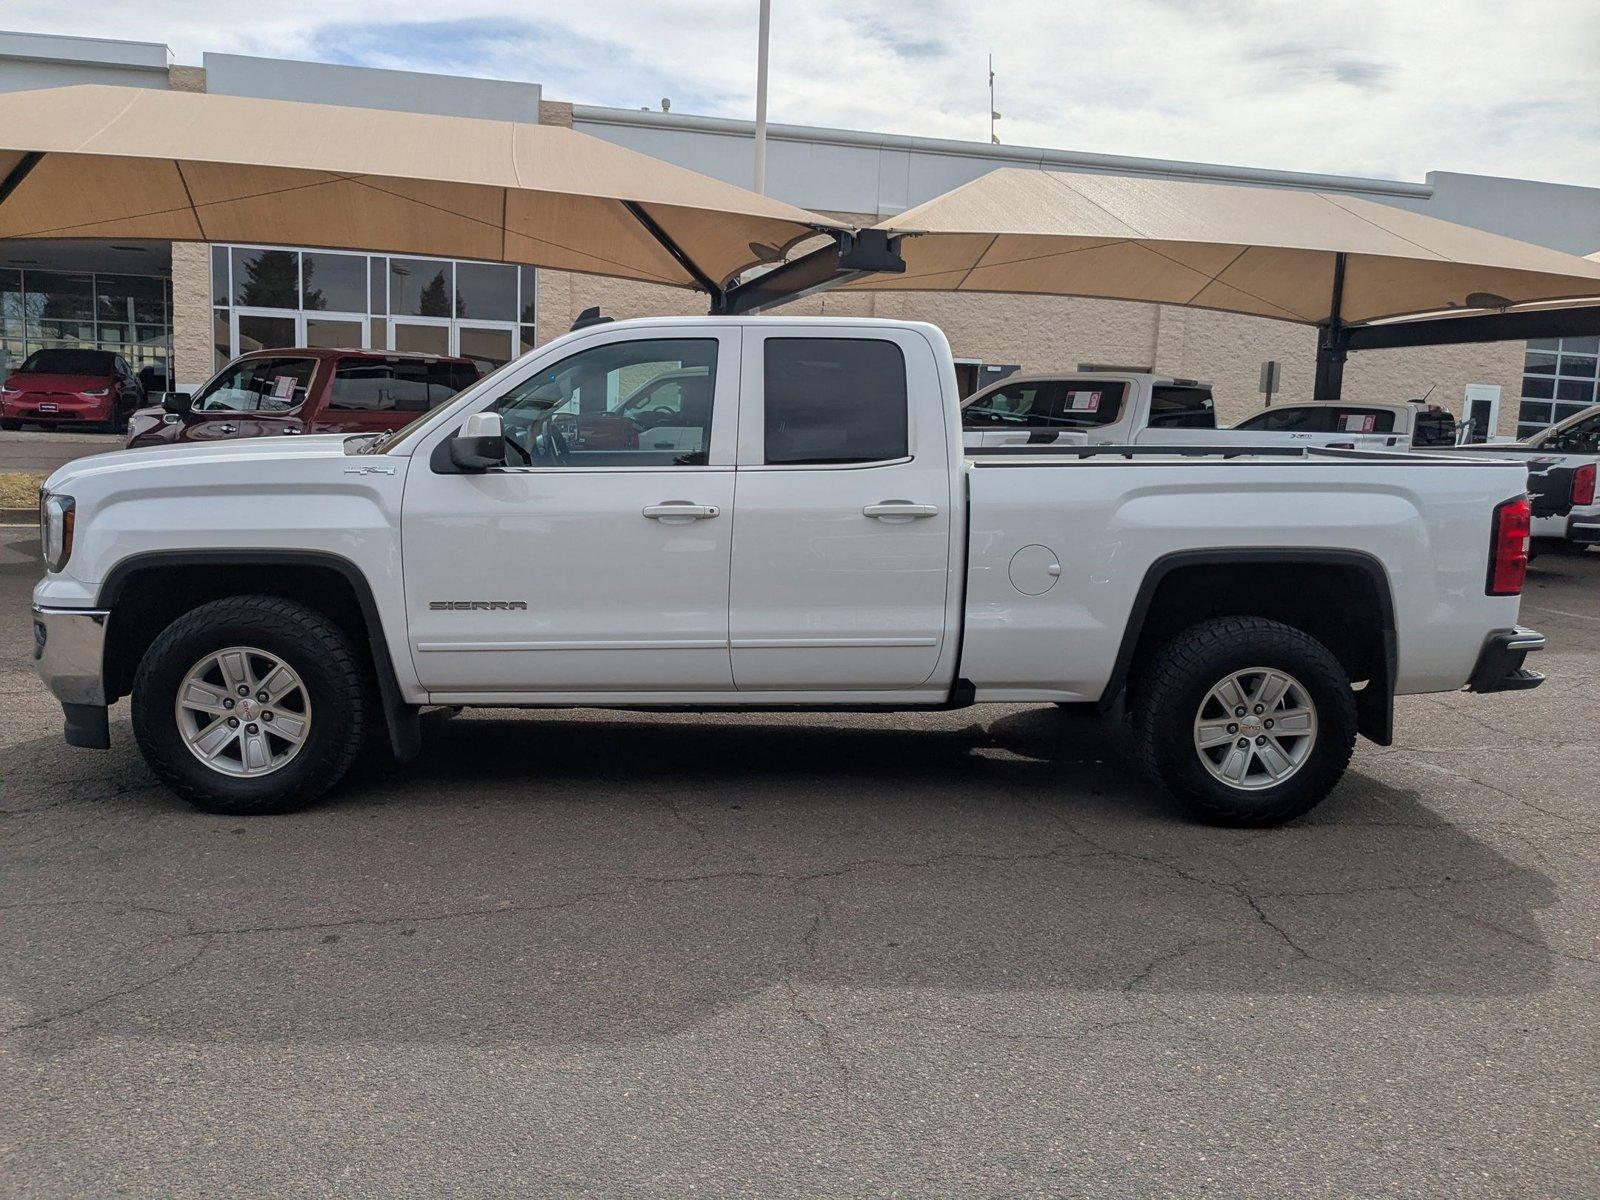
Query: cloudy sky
(1390,88)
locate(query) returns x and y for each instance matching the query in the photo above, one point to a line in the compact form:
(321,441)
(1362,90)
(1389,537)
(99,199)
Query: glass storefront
(130,315)
(1559,378)
(268,298)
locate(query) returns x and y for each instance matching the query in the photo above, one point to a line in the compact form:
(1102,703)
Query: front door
(583,568)
(843,514)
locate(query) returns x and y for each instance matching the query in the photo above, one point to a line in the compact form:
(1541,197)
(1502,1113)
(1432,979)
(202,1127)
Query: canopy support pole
(1333,343)
(852,256)
(702,280)
(18,173)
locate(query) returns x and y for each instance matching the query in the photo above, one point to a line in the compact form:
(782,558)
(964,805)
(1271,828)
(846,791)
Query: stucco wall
(1045,332)
(191,313)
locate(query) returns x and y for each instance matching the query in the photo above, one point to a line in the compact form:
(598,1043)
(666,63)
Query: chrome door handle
(227,429)
(900,510)
(681,510)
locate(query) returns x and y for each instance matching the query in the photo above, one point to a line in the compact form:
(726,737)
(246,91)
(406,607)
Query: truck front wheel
(1247,721)
(250,704)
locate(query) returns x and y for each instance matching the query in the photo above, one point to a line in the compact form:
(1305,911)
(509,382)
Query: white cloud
(1374,87)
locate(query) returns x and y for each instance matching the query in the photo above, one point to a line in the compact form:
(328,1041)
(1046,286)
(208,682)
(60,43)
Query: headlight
(57,515)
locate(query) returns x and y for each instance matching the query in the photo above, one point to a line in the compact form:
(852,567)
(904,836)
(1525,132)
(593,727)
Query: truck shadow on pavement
(606,877)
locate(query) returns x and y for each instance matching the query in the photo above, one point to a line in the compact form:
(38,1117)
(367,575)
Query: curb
(19,516)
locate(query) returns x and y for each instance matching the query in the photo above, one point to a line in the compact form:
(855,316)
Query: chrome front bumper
(69,653)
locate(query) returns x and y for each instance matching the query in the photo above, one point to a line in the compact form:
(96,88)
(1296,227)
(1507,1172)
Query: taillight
(1508,547)
(1583,485)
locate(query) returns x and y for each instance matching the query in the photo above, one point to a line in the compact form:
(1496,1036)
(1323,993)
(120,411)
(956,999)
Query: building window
(130,315)
(268,297)
(1559,379)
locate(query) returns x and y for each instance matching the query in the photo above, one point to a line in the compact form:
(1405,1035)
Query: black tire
(1175,683)
(10,426)
(316,648)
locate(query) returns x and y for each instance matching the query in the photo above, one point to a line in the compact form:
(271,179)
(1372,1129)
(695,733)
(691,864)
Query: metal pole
(763,36)
(991,99)
(1332,341)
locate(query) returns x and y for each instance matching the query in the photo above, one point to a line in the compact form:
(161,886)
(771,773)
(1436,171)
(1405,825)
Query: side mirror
(177,403)
(481,444)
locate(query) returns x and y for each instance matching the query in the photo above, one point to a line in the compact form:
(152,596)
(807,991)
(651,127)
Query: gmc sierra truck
(806,531)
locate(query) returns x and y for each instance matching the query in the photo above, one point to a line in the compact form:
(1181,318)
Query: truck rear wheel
(1247,721)
(251,704)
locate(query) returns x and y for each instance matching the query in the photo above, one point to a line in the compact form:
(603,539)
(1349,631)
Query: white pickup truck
(805,531)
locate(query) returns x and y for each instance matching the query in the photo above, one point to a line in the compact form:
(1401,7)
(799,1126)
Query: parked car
(817,537)
(61,387)
(270,392)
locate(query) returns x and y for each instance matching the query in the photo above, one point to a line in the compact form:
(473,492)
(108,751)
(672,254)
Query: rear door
(842,515)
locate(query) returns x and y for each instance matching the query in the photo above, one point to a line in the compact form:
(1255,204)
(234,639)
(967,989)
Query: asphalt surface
(37,450)
(963,954)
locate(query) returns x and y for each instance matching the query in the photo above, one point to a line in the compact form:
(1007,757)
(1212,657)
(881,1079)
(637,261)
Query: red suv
(271,392)
(64,387)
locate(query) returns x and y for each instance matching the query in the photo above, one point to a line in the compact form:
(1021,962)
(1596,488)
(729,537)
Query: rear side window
(835,400)
(1182,408)
(375,385)
(1052,404)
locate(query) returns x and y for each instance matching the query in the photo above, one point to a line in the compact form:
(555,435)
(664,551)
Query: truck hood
(240,453)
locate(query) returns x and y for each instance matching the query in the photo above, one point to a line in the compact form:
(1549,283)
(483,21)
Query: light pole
(761,95)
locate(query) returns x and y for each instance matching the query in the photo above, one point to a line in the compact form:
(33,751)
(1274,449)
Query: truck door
(575,569)
(843,518)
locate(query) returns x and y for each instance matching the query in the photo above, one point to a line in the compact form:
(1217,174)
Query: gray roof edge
(1026,156)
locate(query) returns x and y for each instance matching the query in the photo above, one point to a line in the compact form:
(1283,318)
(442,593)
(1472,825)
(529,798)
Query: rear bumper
(1499,667)
(1584,531)
(69,655)
(67,410)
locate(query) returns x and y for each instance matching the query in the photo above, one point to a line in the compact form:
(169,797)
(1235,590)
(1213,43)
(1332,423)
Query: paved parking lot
(38,450)
(968,953)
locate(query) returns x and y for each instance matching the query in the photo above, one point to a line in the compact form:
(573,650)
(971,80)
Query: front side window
(1177,407)
(835,400)
(258,385)
(625,404)
(378,385)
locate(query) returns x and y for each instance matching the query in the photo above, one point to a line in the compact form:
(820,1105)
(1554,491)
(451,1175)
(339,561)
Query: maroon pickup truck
(271,392)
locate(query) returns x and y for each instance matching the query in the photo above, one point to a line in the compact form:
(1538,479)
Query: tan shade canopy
(1265,251)
(114,162)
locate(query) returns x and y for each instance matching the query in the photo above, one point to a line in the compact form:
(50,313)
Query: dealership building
(184,308)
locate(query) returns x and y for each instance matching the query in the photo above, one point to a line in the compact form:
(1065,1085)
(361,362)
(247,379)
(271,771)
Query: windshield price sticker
(1358,423)
(283,387)
(1084,401)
